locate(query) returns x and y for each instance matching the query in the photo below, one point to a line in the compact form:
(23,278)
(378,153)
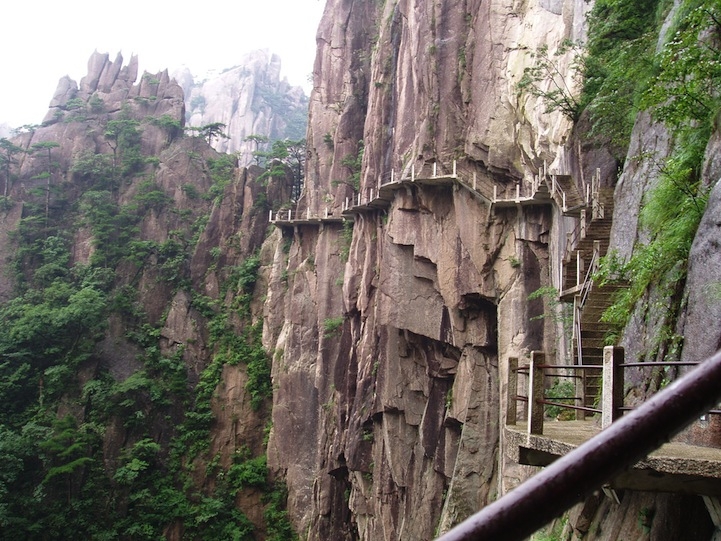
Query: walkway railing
(610,399)
(490,192)
(587,468)
(411,175)
(295,215)
(579,301)
(536,400)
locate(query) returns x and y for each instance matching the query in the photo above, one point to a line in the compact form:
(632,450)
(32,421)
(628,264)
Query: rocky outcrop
(250,99)
(114,85)
(434,297)
(390,332)
(399,403)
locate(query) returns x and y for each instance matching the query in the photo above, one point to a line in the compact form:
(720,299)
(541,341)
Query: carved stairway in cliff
(590,300)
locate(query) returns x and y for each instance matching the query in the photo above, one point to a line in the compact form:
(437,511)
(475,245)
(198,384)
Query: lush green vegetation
(679,86)
(85,452)
(286,157)
(632,63)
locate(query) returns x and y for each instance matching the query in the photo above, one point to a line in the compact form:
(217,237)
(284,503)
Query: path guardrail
(574,476)
(610,399)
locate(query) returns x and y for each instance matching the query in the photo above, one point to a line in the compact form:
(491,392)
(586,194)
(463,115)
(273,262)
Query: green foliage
(331,326)
(558,312)
(66,476)
(562,391)
(286,157)
(170,125)
(276,517)
(222,170)
(353,162)
(546,80)
(209,132)
(123,137)
(685,89)
(242,279)
(259,383)
(683,94)
(95,168)
(150,196)
(8,160)
(328,140)
(346,239)
(96,104)
(191,191)
(618,66)
(552,533)
(54,323)
(645,518)
(612,93)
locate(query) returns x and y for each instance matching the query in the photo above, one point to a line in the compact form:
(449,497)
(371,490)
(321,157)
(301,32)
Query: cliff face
(157,232)
(389,332)
(250,99)
(388,426)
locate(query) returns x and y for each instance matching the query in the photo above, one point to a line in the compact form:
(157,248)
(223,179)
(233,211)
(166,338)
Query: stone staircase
(564,191)
(590,300)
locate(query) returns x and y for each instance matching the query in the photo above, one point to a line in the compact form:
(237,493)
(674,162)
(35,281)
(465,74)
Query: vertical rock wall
(250,99)
(389,361)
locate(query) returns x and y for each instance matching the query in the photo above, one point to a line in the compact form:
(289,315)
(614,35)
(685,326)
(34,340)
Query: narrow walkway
(292,218)
(543,189)
(674,467)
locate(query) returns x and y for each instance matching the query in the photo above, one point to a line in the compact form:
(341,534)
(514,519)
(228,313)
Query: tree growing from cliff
(257,140)
(553,85)
(210,132)
(287,153)
(7,160)
(123,138)
(46,148)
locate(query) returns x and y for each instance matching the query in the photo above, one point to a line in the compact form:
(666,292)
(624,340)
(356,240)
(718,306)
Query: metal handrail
(587,468)
(583,297)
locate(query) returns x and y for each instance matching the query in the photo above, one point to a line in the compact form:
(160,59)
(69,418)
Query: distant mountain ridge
(250,99)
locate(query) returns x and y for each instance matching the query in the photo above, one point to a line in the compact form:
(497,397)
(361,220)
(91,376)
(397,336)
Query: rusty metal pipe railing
(569,479)
(569,406)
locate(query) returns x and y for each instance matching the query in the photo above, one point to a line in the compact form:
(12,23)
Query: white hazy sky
(44,40)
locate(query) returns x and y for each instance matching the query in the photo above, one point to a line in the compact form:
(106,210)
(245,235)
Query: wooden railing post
(512,391)
(612,393)
(535,393)
(455,169)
